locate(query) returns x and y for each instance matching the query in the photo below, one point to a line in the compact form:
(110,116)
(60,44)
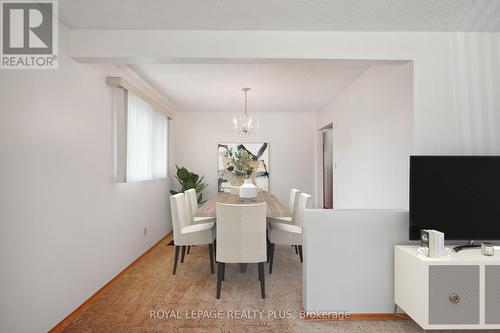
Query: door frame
(321,170)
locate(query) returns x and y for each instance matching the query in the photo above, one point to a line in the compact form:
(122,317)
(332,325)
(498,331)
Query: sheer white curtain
(146,141)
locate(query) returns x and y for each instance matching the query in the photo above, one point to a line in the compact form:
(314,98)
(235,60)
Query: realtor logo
(29,34)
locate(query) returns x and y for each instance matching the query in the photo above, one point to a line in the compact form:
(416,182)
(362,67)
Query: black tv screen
(457,195)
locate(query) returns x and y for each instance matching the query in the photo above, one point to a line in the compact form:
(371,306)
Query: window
(146,130)
(141,123)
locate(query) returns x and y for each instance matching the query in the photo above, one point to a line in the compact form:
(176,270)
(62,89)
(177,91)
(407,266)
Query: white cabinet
(492,294)
(459,291)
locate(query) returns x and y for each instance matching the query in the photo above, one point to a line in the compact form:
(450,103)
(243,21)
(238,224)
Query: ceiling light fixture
(245,123)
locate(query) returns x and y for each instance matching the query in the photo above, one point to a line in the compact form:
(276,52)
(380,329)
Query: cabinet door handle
(454,298)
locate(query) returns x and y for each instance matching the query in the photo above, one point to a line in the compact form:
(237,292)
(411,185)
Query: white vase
(248,190)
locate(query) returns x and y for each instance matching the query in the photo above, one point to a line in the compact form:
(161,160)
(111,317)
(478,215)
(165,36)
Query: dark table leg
(243,268)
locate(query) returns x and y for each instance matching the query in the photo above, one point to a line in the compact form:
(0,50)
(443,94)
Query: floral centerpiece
(241,165)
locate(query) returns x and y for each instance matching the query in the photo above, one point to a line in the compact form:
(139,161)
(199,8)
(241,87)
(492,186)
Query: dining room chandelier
(245,124)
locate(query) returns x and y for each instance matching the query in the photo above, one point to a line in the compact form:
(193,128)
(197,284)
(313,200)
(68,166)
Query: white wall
(372,136)
(456,75)
(291,146)
(349,259)
(66,228)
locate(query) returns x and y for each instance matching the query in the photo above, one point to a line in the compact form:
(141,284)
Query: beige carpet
(151,287)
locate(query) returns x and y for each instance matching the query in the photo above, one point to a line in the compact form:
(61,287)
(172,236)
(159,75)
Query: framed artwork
(257,152)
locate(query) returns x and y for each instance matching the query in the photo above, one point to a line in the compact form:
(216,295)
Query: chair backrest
(191,202)
(304,201)
(292,201)
(241,233)
(180,215)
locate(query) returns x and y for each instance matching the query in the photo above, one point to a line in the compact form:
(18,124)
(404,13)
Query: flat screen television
(457,195)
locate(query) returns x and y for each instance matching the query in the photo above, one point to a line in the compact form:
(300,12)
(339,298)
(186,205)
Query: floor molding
(65,322)
(358,316)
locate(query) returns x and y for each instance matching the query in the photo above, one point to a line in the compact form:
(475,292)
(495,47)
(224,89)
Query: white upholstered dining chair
(192,203)
(292,207)
(241,238)
(288,234)
(186,234)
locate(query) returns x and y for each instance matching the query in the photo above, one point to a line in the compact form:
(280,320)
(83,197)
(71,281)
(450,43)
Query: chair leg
(268,249)
(211,255)
(267,244)
(296,251)
(189,248)
(183,253)
(300,252)
(215,249)
(261,278)
(176,258)
(223,272)
(220,270)
(271,257)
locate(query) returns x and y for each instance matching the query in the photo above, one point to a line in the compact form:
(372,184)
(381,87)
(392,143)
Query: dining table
(274,207)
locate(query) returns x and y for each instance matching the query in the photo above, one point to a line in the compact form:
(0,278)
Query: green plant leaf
(183,173)
(193,178)
(200,188)
(189,180)
(199,181)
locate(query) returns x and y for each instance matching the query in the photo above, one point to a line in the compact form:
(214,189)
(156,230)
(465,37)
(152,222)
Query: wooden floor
(150,288)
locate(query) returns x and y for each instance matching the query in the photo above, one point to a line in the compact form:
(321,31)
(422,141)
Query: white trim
(118,81)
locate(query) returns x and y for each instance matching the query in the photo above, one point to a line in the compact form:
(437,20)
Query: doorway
(327,139)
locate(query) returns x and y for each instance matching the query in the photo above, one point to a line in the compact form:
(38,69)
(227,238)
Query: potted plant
(189,180)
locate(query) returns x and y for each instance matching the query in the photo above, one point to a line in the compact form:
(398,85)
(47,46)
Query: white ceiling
(298,86)
(340,15)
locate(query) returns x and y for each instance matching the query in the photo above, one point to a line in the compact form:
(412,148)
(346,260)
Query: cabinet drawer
(492,294)
(453,294)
